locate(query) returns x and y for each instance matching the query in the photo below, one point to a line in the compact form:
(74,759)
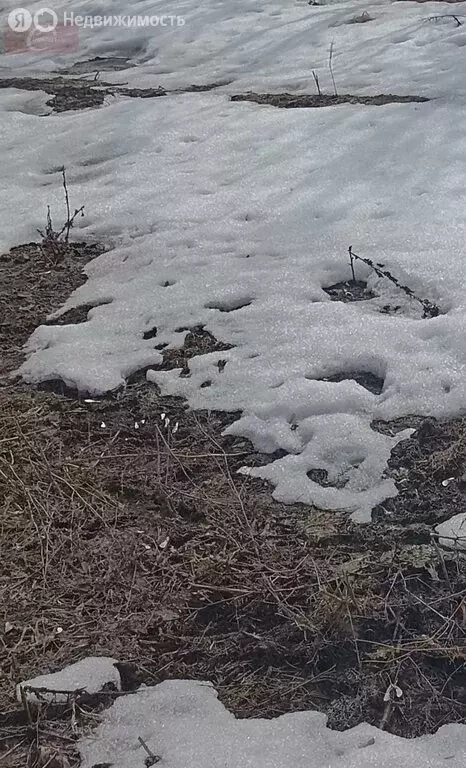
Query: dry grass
(140,543)
(34,280)
(123,534)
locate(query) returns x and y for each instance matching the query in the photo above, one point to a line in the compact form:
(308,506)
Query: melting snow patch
(90,674)
(182,723)
(238,219)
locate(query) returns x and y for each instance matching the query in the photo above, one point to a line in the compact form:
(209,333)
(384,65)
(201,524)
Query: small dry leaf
(164,544)
(8,627)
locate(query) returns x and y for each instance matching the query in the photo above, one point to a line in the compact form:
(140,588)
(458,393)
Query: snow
(184,723)
(90,674)
(452,532)
(247,213)
(271,45)
(237,217)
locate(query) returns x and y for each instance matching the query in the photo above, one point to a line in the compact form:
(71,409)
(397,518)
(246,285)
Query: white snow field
(236,216)
(183,723)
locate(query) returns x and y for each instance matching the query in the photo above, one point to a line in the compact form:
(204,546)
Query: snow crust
(90,674)
(184,723)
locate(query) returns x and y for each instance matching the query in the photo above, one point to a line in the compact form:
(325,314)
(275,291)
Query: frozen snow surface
(236,217)
(90,674)
(184,724)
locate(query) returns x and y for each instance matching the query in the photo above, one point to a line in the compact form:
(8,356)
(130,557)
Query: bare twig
(430,309)
(350,251)
(152,759)
(330,59)
(446,16)
(316,80)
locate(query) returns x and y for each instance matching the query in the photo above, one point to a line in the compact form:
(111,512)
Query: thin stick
(430,309)
(330,57)
(67,201)
(351,257)
(386,715)
(16,746)
(153,758)
(25,703)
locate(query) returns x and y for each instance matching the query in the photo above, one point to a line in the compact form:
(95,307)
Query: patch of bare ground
(35,279)
(79,93)
(430,473)
(67,94)
(125,531)
(349,290)
(76,94)
(296,101)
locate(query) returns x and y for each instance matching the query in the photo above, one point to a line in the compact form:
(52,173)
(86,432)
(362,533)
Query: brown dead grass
(34,280)
(138,540)
(317,101)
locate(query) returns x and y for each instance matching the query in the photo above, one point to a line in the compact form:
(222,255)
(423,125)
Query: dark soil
(75,315)
(349,290)
(67,94)
(197,341)
(201,88)
(435,453)
(365,379)
(72,94)
(136,536)
(35,280)
(77,93)
(296,101)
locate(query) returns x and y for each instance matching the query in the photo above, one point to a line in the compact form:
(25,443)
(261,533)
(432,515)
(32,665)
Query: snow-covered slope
(268,45)
(247,213)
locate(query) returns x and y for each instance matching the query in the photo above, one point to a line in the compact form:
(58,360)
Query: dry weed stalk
(54,241)
(430,309)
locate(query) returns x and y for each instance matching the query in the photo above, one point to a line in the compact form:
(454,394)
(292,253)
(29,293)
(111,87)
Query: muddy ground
(122,534)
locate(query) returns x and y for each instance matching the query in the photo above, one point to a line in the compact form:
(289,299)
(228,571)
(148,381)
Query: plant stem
(351,257)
